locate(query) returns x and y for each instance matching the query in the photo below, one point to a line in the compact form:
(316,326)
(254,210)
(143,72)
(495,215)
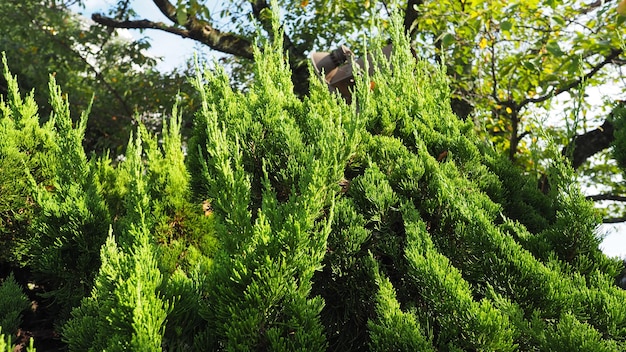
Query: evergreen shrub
(71,222)
(144,295)
(26,150)
(476,257)
(73,202)
(618,118)
(434,242)
(270,164)
(13,302)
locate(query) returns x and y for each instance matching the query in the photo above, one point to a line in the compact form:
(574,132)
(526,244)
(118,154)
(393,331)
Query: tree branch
(168,10)
(195,29)
(410,16)
(229,43)
(614,54)
(613,220)
(594,5)
(612,197)
(587,144)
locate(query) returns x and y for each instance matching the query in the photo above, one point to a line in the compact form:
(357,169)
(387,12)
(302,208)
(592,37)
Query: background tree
(88,61)
(523,71)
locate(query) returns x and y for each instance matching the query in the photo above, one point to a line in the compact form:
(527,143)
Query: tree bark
(585,145)
(590,143)
(410,16)
(200,31)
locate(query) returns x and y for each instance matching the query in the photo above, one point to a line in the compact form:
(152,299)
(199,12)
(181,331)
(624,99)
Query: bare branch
(200,31)
(167,9)
(612,197)
(614,220)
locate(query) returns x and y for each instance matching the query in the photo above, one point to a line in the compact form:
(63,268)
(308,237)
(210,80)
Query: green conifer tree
(125,310)
(52,208)
(456,264)
(435,241)
(72,217)
(270,164)
(25,148)
(438,207)
(13,302)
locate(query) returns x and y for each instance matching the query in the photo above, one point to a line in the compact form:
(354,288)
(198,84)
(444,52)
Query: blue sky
(175,50)
(614,244)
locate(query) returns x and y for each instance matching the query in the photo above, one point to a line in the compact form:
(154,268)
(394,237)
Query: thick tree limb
(195,29)
(168,10)
(410,16)
(587,144)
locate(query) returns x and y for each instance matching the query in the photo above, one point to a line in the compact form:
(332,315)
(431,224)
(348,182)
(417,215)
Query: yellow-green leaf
(483,43)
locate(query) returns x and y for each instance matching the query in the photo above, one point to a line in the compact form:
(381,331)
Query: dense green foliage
(619,146)
(26,151)
(13,302)
(72,203)
(528,73)
(387,224)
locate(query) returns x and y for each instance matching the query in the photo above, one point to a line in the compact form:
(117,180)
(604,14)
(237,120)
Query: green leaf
(181,16)
(506,26)
(554,48)
(559,20)
(574,65)
(448,39)
(529,65)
